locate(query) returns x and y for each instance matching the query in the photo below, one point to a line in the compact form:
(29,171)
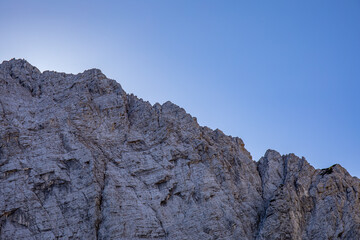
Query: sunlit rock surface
(82,159)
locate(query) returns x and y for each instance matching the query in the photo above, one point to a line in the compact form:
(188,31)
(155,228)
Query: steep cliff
(81,159)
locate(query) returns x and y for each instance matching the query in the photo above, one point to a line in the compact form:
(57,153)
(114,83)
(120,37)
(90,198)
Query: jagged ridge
(81,159)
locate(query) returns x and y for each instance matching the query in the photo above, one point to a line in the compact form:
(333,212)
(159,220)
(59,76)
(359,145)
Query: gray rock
(81,159)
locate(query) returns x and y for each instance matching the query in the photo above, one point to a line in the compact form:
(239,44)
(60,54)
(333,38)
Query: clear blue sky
(283,75)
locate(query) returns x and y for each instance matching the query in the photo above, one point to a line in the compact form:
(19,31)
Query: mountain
(82,159)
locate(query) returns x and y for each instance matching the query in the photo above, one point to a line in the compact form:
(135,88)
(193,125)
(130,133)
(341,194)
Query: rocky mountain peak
(20,64)
(82,159)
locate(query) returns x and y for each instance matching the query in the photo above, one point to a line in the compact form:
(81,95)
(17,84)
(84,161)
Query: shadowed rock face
(81,159)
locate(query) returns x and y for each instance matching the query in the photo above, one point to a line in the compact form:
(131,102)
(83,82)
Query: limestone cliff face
(81,159)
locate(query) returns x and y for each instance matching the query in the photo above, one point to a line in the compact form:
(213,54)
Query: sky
(281,75)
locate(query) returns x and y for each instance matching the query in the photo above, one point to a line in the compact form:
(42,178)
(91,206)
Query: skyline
(283,76)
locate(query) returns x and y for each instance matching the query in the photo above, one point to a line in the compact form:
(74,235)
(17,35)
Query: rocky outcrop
(81,159)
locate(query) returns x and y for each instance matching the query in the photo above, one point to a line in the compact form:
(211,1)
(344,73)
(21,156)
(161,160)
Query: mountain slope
(81,159)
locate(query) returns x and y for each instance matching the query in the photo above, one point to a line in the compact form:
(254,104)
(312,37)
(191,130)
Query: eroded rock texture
(81,159)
